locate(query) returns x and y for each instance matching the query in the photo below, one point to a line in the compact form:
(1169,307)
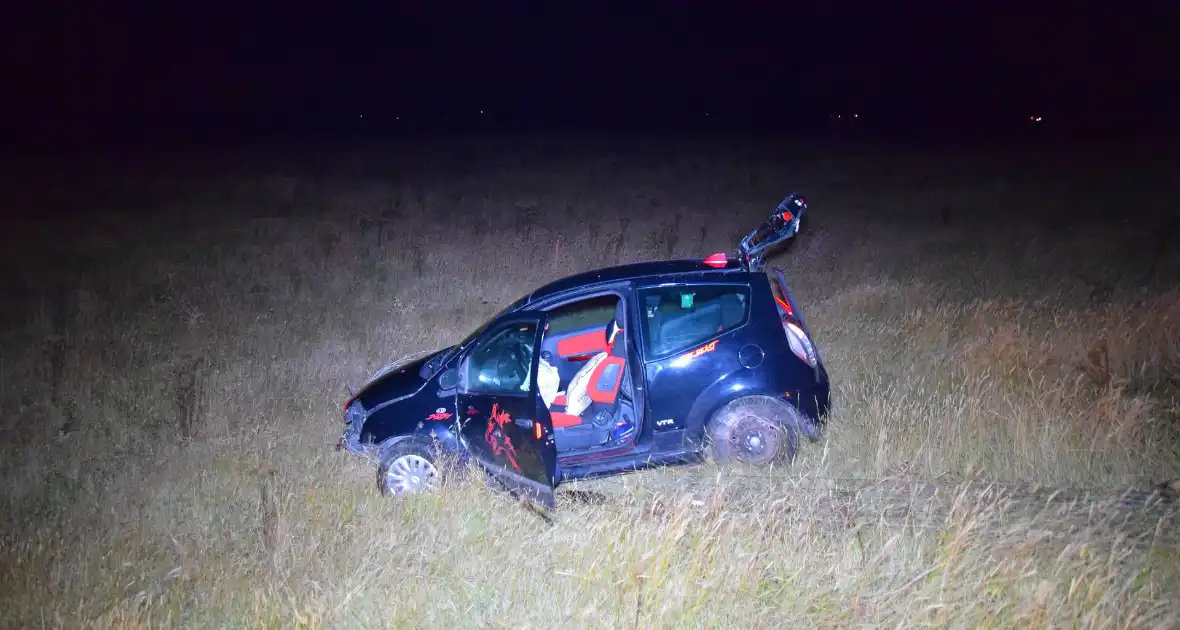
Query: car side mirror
(449,379)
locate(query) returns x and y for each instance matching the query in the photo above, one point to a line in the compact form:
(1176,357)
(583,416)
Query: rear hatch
(779,228)
(782,225)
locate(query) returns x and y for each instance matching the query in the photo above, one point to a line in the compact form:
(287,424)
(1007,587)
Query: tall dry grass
(1005,385)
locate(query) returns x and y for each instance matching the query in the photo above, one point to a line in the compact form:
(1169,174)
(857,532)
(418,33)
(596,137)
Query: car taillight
(784,307)
(800,344)
(797,337)
(793,325)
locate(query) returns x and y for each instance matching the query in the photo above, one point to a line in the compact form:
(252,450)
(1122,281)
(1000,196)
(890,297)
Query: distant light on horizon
(1035,119)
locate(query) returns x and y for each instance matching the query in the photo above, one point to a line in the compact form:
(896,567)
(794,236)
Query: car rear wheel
(756,430)
(409,467)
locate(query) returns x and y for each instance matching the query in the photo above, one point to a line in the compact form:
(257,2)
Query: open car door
(502,423)
(779,228)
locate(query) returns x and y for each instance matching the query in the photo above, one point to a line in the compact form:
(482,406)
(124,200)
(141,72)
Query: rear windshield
(678,318)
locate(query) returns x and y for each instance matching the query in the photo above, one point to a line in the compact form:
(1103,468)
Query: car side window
(502,363)
(679,317)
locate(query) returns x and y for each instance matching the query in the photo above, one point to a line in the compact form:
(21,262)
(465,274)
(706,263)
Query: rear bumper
(816,401)
(813,406)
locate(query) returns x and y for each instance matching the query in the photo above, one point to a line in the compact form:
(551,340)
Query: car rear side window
(679,317)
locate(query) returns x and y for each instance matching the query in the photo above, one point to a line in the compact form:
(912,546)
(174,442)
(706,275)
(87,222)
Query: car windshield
(482,327)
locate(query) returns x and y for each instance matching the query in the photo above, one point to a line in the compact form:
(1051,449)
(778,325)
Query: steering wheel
(511,366)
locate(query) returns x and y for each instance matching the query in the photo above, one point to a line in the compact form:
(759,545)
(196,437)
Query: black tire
(411,459)
(756,430)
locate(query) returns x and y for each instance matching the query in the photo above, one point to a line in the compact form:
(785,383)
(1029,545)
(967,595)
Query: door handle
(525,423)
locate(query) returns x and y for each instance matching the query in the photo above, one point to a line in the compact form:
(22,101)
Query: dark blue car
(606,372)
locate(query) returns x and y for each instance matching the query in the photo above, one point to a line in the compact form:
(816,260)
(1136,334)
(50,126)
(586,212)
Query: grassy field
(1002,330)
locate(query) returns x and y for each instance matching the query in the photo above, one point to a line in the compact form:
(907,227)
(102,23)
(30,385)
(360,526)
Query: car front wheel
(409,467)
(756,430)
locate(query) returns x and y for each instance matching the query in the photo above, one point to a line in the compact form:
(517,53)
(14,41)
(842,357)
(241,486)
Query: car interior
(586,343)
(677,318)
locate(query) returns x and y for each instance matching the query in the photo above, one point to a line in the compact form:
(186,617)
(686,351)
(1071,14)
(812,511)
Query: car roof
(693,269)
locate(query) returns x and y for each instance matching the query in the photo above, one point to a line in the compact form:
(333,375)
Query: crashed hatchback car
(606,372)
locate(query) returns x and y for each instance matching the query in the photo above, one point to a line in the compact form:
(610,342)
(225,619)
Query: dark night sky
(123,68)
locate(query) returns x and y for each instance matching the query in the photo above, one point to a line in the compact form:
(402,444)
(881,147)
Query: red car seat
(602,387)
